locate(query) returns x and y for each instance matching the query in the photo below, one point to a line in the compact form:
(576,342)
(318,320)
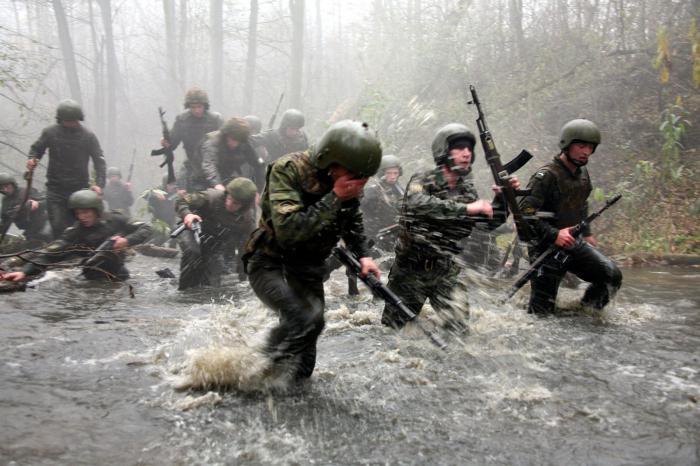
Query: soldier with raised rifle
(71,146)
(98,236)
(310,202)
(225,219)
(438,211)
(562,187)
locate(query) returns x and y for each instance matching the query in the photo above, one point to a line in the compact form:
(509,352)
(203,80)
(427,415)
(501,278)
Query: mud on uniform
(555,189)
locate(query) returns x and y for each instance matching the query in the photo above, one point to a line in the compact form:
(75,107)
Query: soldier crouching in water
(433,222)
(563,187)
(227,219)
(309,203)
(92,228)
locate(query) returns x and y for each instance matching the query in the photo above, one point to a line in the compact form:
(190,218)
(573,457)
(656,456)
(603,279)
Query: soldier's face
(292,132)
(197,110)
(70,123)
(579,152)
(461,159)
(391,175)
(86,217)
(7,189)
(115,178)
(231,143)
(232,205)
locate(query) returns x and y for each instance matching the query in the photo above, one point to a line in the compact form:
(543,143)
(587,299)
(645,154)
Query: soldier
(563,187)
(254,123)
(92,228)
(382,201)
(310,202)
(118,194)
(31,217)
(286,139)
(433,223)
(225,152)
(227,219)
(189,128)
(161,205)
(71,146)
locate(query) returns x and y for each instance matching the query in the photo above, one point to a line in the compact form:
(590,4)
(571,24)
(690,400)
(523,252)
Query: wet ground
(88,376)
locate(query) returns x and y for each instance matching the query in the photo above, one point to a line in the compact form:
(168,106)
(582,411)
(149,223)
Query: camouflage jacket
(553,188)
(218,224)
(79,241)
(381,204)
(118,196)
(24,217)
(190,131)
(302,219)
(221,164)
(70,150)
(277,144)
(433,217)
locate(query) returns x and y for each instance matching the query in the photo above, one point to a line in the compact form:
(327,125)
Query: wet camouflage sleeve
(191,203)
(354,229)
(421,206)
(293,224)
(541,183)
(209,155)
(56,251)
(137,232)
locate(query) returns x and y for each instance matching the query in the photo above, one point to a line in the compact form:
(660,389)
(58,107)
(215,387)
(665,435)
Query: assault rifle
(501,173)
(95,259)
(271,123)
(167,151)
(196,229)
(561,256)
(380,290)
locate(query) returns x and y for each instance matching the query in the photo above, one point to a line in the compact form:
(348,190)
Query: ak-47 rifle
(558,254)
(271,123)
(196,229)
(95,260)
(501,173)
(131,166)
(167,151)
(28,176)
(381,291)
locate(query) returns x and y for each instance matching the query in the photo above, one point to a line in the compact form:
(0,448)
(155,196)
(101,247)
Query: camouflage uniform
(302,220)
(80,241)
(32,222)
(381,204)
(222,231)
(190,131)
(221,164)
(70,150)
(118,196)
(554,188)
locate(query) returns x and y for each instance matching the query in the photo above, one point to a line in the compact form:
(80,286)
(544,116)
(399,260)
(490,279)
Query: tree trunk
(216,12)
(67,51)
(249,85)
(515,13)
(98,124)
(170,49)
(182,45)
(296,8)
(113,78)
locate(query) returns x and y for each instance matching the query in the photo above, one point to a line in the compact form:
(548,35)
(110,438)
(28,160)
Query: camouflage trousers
(416,280)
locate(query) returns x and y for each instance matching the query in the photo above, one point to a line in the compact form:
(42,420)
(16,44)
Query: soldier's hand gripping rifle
(501,173)
(196,229)
(557,253)
(381,291)
(167,151)
(98,256)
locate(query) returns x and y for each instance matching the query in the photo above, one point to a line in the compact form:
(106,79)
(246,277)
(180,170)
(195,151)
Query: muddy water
(89,376)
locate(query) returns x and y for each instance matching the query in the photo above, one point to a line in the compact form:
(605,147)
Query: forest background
(403,66)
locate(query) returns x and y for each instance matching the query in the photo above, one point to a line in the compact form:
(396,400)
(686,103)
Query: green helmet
(196,95)
(114,171)
(6,178)
(446,135)
(254,122)
(242,190)
(390,161)
(292,118)
(86,199)
(69,110)
(579,130)
(350,144)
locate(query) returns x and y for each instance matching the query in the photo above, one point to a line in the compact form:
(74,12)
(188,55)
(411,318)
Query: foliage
(663,56)
(695,51)
(673,128)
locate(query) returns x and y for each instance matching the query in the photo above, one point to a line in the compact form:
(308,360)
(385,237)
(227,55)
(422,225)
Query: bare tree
(249,85)
(182,45)
(170,47)
(216,41)
(113,76)
(296,8)
(67,51)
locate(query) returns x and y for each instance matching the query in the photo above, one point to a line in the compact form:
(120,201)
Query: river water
(89,375)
